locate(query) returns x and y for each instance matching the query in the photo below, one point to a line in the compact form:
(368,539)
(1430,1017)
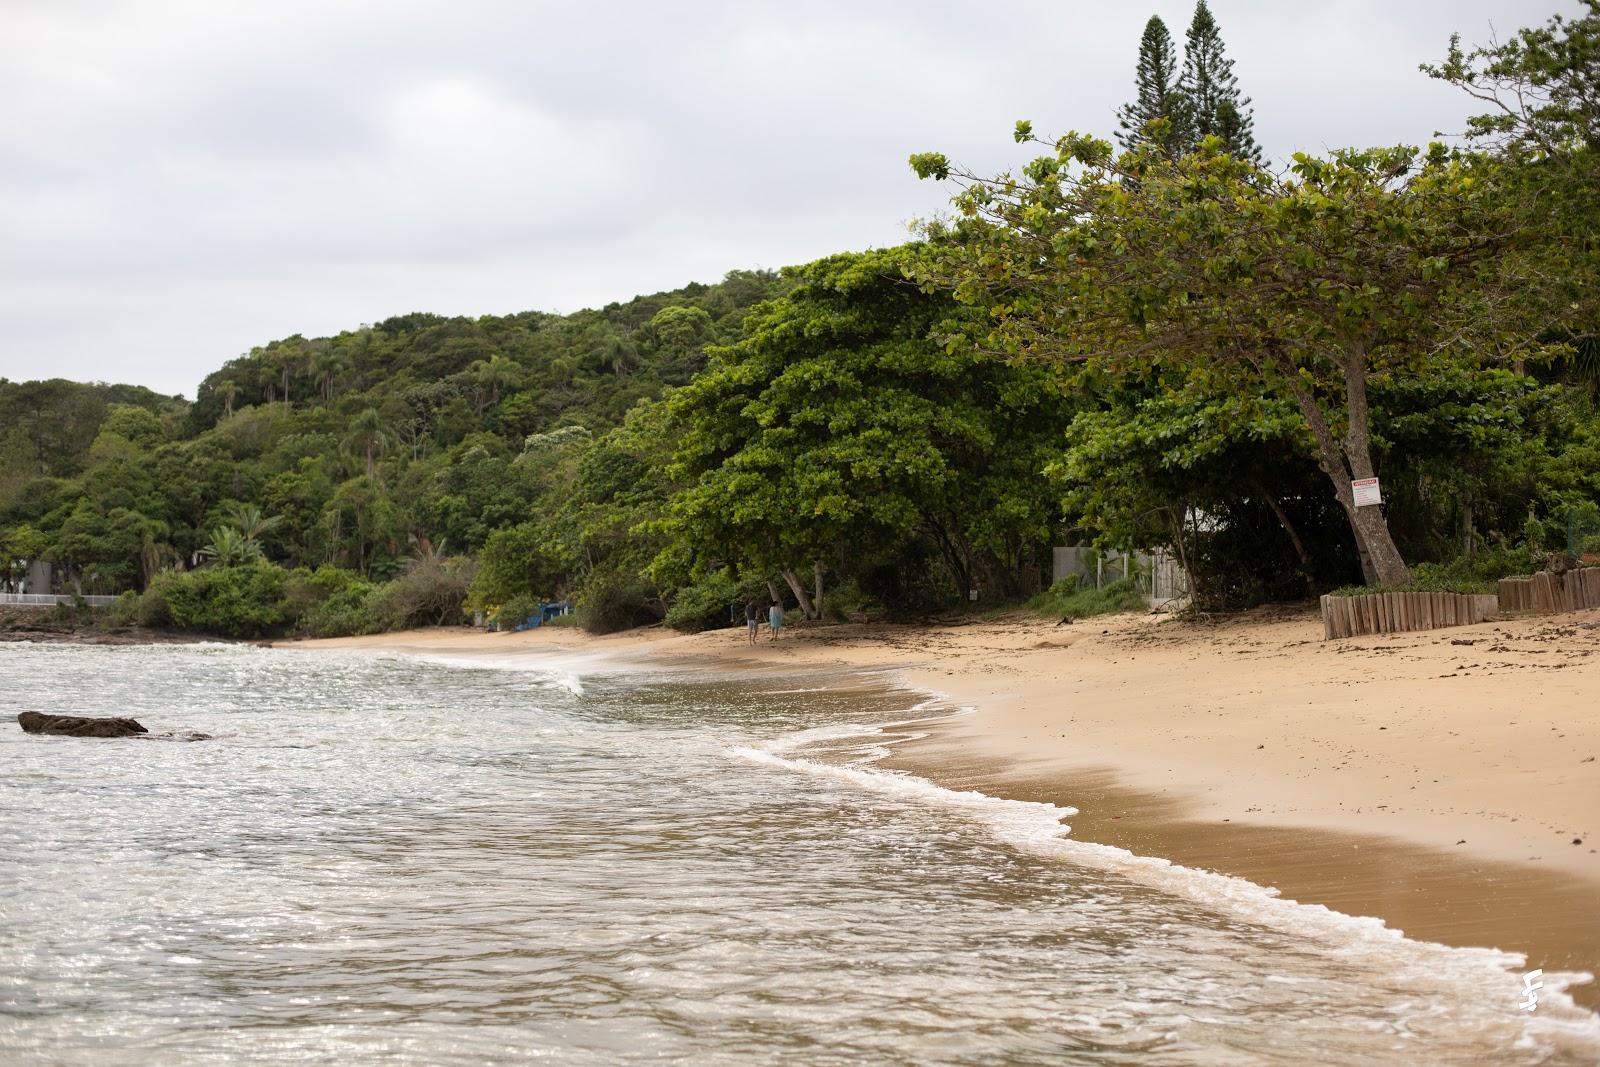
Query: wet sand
(1429,894)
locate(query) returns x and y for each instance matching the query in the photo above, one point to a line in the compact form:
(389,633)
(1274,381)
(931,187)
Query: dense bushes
(613,601)
(427,592)
(332,602)
(518,610)
(244,601)
(262,599)
(705,604)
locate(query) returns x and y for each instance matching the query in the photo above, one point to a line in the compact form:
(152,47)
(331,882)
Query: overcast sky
(183,179)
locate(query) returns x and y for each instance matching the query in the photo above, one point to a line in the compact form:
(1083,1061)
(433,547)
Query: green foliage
(705,604)
(1539,85)
(330,602)
(1065,598)
(349,449)
(428,592)
(1477,574)
(1212,106)
(1244,283)
(51,425)
(840,426)
(1159,97)
(530,559)
(230,548)
(1167,346)
(613,601)
(517,610)
(238,601)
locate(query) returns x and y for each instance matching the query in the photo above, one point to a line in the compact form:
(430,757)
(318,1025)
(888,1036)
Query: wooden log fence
(1382,613)
(1547,593)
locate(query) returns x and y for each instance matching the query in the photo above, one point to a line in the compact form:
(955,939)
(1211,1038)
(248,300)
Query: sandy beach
(1445,781)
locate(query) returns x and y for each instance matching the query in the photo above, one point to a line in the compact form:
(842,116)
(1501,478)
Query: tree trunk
(816,569)
(772,590)
(1294,539)
(799,593)
(954,557)
(1342,462)
(1387,563)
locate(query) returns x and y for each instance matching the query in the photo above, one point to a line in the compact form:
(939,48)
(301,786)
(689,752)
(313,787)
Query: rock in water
(36,722)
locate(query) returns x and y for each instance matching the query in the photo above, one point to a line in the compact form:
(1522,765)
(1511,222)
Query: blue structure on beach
(548,610)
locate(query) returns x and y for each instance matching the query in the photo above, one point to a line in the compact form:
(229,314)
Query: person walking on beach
(775,618)
(752,619)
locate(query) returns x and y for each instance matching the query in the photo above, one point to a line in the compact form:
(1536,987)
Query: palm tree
(155,556)
(327,363)
(368,437)
(287,358)
(228,547)
(249,521)
(491,375)
(228,389)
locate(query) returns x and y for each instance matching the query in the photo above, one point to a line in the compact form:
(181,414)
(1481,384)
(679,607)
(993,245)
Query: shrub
(612,602)
(518,610)
(333,602)
(329,602)
(244,601)
(152,609)
(1065,598)
(429,592)
(125,611)
(1461,575)
(704,605)
(848,603)
(530,559)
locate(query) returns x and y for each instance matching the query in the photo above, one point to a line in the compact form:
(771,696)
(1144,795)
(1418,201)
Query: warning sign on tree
(1365,490)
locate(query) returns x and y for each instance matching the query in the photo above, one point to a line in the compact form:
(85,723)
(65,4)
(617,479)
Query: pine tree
(1159,97)
(1211,92)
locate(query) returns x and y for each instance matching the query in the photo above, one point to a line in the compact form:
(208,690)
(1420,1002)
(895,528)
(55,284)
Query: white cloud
(182,179)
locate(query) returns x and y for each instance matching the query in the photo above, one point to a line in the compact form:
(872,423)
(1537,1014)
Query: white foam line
(1037,827)
(555,669)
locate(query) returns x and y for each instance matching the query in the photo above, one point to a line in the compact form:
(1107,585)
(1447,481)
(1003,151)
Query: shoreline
(1430,784)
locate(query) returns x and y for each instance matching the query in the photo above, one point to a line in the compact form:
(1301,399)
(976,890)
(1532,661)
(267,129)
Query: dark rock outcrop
(36,722)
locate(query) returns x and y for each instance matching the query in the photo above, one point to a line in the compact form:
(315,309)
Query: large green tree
(1159,98)
(1542,90)
(1213,106)
(1301,286)
(840,432)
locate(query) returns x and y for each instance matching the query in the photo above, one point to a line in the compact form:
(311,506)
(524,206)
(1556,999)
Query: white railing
(45,600)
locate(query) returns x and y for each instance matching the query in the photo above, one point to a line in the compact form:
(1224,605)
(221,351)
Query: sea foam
(1485,976)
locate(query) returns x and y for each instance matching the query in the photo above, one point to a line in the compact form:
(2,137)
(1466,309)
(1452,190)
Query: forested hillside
(415,436)
(1172,345)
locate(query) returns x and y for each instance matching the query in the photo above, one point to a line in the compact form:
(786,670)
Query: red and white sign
(1365,490)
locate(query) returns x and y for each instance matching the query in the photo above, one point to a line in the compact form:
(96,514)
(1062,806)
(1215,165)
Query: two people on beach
(752,618)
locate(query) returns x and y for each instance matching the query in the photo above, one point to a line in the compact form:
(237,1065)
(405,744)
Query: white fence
(1158,573)
(45,600)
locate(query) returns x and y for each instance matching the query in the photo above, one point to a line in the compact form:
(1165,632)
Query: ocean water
(386,859)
